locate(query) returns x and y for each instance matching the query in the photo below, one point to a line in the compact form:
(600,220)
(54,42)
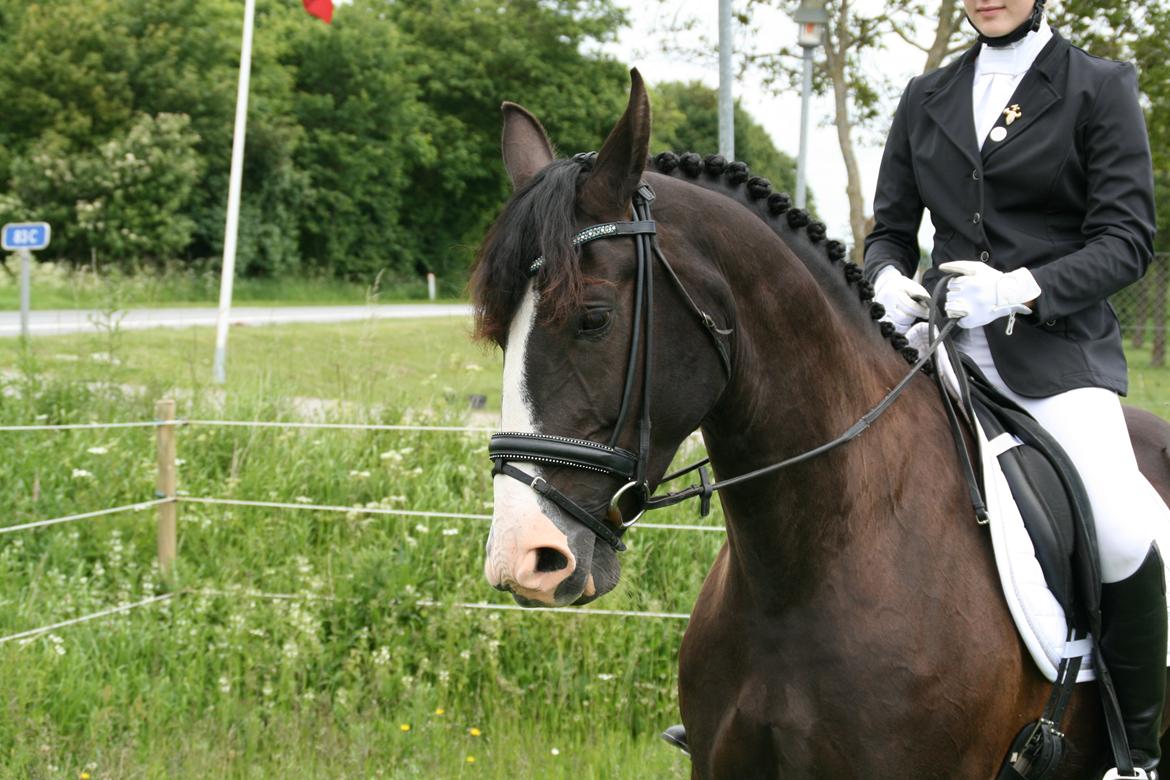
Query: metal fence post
(165,487)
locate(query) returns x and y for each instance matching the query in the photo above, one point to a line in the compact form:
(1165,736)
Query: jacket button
(976,175)
(984,256)
(975,220)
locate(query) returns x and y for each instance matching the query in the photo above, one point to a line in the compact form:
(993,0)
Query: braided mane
(538,220)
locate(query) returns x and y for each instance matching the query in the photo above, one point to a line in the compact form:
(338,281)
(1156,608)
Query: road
(56,322)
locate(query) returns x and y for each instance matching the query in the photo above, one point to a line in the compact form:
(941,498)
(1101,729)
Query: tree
(854,37)
(372,144)
(474,54)
(126,198)
(686,120)
(357,102)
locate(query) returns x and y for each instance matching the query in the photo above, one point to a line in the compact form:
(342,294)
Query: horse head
(567,283)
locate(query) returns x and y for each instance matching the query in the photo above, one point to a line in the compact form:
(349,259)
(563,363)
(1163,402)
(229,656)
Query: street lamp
(812,18)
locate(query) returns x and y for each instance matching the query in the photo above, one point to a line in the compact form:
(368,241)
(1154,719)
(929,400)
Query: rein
(615,461)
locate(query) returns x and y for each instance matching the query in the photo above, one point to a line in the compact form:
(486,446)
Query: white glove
(904,300)
(982,294)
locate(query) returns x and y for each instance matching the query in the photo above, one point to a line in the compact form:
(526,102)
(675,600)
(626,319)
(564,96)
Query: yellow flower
(471,759)
(439,710)
(83,776)
(473,731)
(404,727)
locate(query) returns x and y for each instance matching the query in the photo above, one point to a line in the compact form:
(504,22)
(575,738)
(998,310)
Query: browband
(604,230)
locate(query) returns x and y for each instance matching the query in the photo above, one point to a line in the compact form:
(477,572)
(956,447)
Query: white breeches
(1089,424)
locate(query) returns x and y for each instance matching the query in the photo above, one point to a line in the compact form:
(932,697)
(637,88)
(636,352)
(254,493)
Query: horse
(852,625)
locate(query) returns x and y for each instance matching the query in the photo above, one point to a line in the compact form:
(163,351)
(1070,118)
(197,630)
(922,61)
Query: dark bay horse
(852,625)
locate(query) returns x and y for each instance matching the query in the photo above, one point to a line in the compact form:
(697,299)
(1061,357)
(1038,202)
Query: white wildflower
(450,531)
(82,474)
(303,500)
(97,450)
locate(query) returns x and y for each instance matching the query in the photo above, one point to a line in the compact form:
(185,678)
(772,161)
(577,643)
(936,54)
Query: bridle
(614,461)
(608,458)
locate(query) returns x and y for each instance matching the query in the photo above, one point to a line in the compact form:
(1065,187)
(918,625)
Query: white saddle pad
(1039,617)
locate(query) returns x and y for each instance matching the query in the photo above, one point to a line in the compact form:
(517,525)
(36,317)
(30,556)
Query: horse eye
(594,321)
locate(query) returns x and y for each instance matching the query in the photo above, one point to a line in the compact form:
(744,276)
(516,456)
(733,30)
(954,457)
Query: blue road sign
(25,235)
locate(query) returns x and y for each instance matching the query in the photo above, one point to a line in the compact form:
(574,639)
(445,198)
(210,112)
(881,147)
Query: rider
(1033,159)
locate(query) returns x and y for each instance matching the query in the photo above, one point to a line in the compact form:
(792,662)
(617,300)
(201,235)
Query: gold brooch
(1012,113)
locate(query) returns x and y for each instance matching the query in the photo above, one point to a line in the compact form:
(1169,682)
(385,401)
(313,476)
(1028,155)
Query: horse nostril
(548,559)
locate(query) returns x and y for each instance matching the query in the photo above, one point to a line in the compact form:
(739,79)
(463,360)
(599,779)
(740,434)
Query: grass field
(360,679)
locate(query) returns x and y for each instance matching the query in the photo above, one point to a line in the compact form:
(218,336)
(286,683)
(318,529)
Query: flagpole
(231,228)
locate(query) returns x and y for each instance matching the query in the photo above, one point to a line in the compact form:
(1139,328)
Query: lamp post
(812,18)
(726,106)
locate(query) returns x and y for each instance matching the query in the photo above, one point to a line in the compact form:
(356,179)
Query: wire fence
(170,499)
(1143,310)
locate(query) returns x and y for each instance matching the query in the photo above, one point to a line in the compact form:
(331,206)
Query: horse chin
(603,577)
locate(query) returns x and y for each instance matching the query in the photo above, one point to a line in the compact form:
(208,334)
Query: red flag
(322,9)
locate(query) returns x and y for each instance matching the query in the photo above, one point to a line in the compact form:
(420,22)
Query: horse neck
(808,363)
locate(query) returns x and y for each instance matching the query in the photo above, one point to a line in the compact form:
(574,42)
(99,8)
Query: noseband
(614,461)
(608,458)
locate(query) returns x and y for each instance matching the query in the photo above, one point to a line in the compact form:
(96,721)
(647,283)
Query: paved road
(54,322)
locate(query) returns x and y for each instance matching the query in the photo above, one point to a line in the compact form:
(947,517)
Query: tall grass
(359,679)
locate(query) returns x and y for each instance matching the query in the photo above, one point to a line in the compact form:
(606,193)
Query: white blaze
(517,516)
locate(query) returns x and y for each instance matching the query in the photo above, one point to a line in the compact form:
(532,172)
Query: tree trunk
(837,46)
(950,16)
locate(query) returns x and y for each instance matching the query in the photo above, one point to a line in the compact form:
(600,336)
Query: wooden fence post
(165,487)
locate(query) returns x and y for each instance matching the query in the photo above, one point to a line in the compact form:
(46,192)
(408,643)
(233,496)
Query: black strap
(974,486)
(563,451)
(849,435)
(604,230)
(583,516)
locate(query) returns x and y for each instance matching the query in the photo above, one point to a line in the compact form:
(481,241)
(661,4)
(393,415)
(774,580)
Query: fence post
(165,487)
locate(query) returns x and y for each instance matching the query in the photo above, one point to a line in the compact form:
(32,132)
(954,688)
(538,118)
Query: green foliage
(1120,30)
(686,119)
(472,55)
(127,198)
(372,143)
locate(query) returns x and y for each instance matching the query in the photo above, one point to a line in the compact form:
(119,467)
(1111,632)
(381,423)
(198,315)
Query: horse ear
(525,144)
(622,157)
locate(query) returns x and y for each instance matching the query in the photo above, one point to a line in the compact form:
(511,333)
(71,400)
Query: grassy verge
(55,287)
(379,362)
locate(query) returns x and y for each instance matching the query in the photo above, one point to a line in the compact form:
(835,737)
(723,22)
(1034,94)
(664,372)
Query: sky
(641,46)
